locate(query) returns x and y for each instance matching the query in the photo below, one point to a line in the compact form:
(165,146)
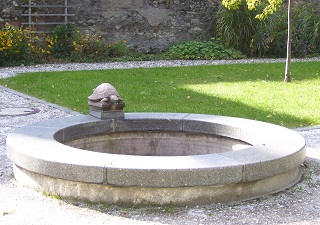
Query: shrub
(240,30)
(18,46)
(90,48)
(118,49)
(95,48)
(68,43)
(14,46)
(65,44)
(207,50)
(305,32)
(63,40)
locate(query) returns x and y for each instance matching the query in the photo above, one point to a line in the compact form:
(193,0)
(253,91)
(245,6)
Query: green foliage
(259,38)
(63,39)
(67,42)
(269,7)
(206,50)
(239,29)
(13,46)
(118,49)
(18,47)
(55,196)
(90,48)
(305,32)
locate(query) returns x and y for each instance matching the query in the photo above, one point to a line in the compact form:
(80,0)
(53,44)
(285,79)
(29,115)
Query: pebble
(12,71)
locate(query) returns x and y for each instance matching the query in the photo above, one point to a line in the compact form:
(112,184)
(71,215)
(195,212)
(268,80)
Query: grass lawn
(254,91)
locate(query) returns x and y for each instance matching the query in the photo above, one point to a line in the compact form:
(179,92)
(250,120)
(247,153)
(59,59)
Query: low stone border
(43,162)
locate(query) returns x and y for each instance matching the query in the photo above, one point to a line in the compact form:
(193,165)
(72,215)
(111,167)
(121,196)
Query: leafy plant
(240,29)
(90,48)
(68,43)
(269,7)
(207,50)
(18,46)
(118,49)
(305,33)
(14,46)
(63,40)
(55,196)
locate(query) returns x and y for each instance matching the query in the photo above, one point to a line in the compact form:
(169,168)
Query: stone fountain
(154,158)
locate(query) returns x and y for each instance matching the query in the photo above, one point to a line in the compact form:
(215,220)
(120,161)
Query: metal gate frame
(31,15)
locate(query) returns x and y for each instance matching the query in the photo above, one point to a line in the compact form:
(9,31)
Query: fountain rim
(275,150)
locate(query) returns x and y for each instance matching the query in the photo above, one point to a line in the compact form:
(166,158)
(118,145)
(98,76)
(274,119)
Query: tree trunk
(287,77)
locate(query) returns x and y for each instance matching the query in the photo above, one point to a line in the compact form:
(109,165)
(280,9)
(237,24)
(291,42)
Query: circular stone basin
(157,143)
(157,158)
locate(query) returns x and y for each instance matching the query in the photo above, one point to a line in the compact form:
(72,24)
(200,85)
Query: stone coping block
(273,151)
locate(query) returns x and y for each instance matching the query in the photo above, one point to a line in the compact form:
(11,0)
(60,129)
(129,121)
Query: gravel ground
(11,71)
(299,204)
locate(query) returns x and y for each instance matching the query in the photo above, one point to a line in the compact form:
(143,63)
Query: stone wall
(147,25)
(10,11)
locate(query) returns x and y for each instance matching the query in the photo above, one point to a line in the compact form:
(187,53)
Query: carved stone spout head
(105,102)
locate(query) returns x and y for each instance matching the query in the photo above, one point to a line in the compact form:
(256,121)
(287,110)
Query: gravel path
(11,71)
(299,204)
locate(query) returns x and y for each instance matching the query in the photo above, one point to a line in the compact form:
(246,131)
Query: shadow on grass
(163,89)
(188,101)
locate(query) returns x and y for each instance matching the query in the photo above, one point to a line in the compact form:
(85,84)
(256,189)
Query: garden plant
(65,44)
(239,29)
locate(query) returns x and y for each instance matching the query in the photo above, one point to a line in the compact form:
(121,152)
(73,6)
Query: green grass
(254,91)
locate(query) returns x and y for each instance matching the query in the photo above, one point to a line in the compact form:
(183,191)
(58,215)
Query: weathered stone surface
(148,26)
(156,143)
(42,160)
(133,195)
